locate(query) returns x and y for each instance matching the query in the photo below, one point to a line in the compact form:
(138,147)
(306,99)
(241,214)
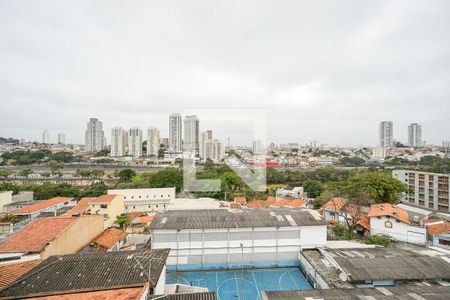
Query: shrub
(377,240)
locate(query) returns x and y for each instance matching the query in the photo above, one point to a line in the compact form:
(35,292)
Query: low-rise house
(139,222)
(439,233)
(339,210)
(112,239)
(295,193)
(258,204)
(108,275)
(146,200)
(109,206)
(44,237)
(388,219)
(10,272)
(81,207)
(51,206)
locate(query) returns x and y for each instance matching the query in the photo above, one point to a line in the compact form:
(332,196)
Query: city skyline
(335,78)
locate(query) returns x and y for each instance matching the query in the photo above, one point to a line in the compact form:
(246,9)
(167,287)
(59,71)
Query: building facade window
(388,224)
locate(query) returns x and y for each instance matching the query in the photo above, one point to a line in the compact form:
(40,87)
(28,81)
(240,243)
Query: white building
(46,137)
(429,190)
(393,221)
(94,135)
(191,134)
(415,135)
(386,139)
(296,193)
(379,153)
(135,142)
(227,239)
(145,200)
(204,136)
(214,150)
(257,147)
(153,141)
(61,138)
(118,142)
(175,133)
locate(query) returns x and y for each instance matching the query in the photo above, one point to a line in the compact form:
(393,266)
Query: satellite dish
(343,277)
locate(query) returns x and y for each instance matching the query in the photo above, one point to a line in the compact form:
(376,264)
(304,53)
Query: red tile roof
(364,221)
(117,294)
(335,204)
(108,238)
(258,204)
(296,203)
(281,203)
(389,210)
(40,206)
(240,200)
(104,199)
(35,236)
(10,272)
(440,228)
(81,206)
(271,199)
(235,205)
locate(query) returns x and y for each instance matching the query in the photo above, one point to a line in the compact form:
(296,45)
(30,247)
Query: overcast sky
(325,70)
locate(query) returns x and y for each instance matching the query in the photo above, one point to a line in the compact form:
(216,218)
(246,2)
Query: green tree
(83,173)
(5,173)
(232,183)
(323,198)
(161,151)
(55,166)
(126,175)
(313,187)
(121,221)
(25,172)
(380,187)
(95,190)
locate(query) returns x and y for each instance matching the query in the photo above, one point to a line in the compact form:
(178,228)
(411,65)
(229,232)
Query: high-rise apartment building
(415,135)
(257,147)
(214,150)
(204,136)
(429,190)
(386,130)
(118,142)
(94,135)
(135,142)
(175,133)
(191,134)
(153,141)
(61,138)
(46,137)
(164,142)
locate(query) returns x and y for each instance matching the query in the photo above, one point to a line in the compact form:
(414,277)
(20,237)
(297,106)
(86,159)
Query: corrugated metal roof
(394,264)
(88,272)
(404,293)
(188,296)
(199,219)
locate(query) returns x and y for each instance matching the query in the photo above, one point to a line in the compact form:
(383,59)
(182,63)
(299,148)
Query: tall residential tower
(118,142)
(386,130)
(94,135)
(175,133)
(153,141)
(191,134)
(135,142)
(415,135)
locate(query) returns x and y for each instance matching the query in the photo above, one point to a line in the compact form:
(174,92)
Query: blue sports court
(247,284)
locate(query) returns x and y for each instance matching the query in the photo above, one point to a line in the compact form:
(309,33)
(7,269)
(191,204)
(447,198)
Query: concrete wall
(112,210)
(399,231)
(159,289)
(145,200)
(223,246)
(5,199)
(75,237)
